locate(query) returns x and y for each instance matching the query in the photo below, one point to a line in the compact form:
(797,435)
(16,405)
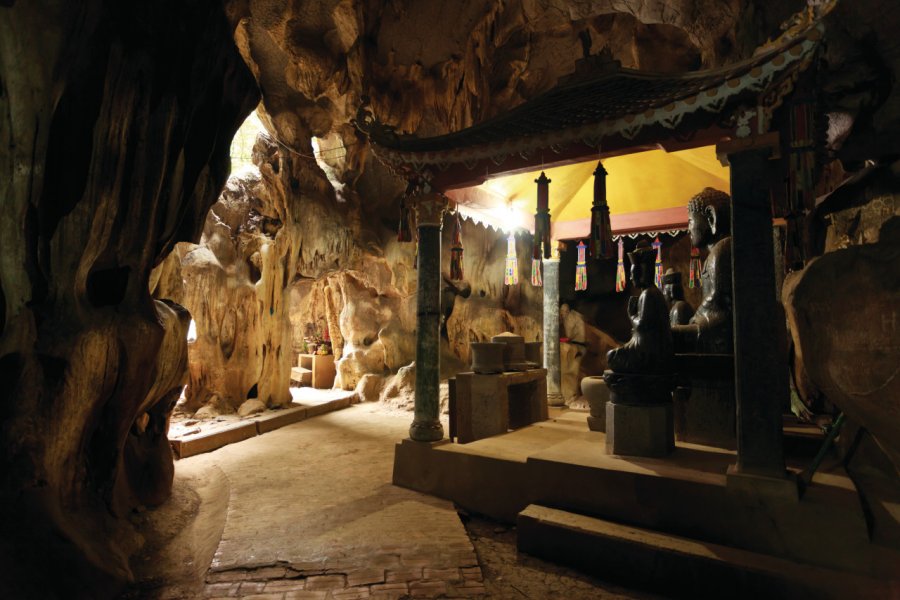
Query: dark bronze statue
(649,351)
(680,312)
(710,330)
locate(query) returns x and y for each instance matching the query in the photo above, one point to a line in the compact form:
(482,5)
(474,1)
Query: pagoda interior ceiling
(647,186)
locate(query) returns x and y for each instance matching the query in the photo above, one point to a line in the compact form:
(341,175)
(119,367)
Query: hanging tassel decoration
(620,268)
(695,267)
(512,263)
(659,268)
(536,278)
(601,229)
(456,251)
(581,268)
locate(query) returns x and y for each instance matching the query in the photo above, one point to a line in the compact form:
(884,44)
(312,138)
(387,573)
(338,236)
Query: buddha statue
(710,330)
(680,312)
(649,351)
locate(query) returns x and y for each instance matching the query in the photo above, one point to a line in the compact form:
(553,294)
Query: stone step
(301,375)
(229,433)
(678,566)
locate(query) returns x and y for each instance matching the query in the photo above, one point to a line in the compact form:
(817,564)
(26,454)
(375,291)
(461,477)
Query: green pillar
(551,331)
(426,425)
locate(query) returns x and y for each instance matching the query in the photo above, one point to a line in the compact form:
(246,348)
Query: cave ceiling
(430,67)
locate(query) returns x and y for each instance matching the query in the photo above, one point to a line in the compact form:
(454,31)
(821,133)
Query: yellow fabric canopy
(641,182)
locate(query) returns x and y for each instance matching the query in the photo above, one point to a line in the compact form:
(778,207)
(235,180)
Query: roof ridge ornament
(592,66)
(367,123)
(799,24)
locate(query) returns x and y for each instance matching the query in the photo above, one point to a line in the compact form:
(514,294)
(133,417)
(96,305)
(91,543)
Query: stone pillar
(426,425)
(551,331)
(761,390)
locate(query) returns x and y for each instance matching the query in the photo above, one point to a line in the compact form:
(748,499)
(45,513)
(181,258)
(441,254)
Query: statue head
(672,289)
(643,264)
(709,217)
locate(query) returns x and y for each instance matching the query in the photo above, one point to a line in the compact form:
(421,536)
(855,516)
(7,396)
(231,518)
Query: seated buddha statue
(680,312)
(710,330)
(649,351)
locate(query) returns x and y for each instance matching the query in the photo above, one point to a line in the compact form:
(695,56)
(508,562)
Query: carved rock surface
(108,159)
(851,349)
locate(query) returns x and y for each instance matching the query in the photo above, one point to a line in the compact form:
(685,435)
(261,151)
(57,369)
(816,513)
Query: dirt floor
(508,574)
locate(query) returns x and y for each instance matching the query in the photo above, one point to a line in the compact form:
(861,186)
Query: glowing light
(192,332)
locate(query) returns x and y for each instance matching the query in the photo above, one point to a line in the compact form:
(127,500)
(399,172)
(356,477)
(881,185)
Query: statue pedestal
(705,411)
(594,389)
(639,430)
(639,415)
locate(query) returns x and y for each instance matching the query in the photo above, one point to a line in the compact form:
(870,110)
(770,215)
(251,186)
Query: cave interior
(243,237)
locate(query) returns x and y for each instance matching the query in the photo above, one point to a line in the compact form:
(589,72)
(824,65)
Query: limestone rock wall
(842,311)
(369,305)
(267,229)
(108,159)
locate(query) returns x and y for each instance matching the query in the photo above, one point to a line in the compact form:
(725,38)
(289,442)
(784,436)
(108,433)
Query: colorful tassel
(456,251)
(620,269)
(695,267)
(512,263)
(537,279)
(404,231)
(659,268)
(581,268)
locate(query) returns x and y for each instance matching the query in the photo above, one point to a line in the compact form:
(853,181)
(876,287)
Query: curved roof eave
(622,103)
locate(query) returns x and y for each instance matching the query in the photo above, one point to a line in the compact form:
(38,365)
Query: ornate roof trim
(678,96)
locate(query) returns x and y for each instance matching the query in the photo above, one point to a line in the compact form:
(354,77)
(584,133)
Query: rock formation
(109,159)
(115,123)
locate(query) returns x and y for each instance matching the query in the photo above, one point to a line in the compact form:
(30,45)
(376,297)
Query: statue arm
(718,303)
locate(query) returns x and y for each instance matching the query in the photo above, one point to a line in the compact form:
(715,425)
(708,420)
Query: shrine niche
(619,110)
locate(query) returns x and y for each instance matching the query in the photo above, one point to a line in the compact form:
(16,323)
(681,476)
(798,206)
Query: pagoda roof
(604,105)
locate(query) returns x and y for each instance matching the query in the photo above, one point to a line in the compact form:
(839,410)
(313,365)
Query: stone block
(365,576)
(639,430)
(761,490)
(706,413)
(280,418)
(306,595)
(597,423)
(326,582)
(206,442)
(403,575)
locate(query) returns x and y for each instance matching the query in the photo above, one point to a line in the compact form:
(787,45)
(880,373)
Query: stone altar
(486,405)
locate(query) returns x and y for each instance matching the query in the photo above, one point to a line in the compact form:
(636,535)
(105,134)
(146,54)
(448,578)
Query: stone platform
(191,437)
(561,464)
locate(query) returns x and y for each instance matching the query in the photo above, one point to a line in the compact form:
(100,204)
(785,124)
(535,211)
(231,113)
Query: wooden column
(426,425)
(760,373)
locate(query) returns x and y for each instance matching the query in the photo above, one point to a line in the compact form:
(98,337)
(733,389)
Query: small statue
(572,324)
(649,351)
(680,312)
(710,330)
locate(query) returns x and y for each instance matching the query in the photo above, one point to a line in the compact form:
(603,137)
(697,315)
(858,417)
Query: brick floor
(312,515)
